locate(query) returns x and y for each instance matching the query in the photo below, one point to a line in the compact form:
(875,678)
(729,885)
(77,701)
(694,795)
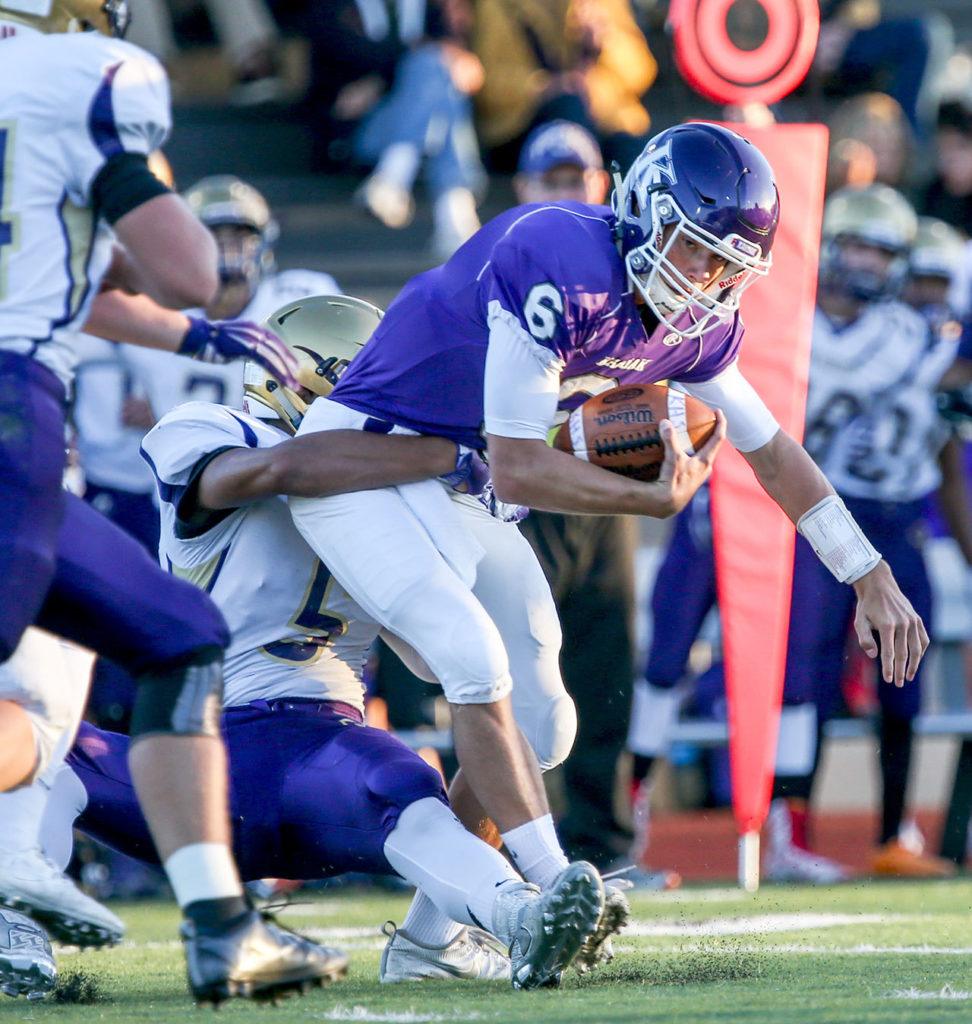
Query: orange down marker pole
(753,539)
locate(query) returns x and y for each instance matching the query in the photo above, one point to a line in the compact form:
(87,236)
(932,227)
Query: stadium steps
(321,226)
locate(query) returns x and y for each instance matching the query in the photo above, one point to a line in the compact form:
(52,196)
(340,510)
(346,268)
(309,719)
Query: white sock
(457,871)
(202,871)
(426,923)
(66,799)
(536,850)
(20,817)
(399,163)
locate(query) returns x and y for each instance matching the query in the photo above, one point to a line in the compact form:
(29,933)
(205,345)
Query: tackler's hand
(223,341)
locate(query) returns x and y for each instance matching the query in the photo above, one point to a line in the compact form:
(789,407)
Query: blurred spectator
(560,160)
(244,29)
(582,60)
(859,49)
(390,87)
(870,140)
(949,194)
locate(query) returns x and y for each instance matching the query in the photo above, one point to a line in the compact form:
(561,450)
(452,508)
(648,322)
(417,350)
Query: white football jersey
(872,423)
(296,633)
(107,373)
(67,104)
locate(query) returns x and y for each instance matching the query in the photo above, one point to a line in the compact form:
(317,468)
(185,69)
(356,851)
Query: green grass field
(859,953)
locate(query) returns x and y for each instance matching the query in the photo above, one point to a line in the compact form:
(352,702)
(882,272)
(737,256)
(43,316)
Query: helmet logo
(655,167)
(671,340)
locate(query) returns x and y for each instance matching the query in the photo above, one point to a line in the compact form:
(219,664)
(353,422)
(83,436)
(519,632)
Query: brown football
(618,429)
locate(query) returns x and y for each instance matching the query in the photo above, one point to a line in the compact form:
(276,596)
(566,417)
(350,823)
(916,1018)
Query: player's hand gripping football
(682,474)
(883,609)
(222,341)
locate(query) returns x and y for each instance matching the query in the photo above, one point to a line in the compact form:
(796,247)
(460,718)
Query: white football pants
(49,678)
(402,554)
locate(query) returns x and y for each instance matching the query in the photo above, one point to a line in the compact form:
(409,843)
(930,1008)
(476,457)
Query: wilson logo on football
(625,416)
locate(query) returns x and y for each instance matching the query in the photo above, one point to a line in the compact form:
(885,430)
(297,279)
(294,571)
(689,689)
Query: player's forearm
(788,475)
(173,254)
(137,320)
(527,472)
(320,464)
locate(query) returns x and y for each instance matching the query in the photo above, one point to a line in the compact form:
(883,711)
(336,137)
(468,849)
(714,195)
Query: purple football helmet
(713,187)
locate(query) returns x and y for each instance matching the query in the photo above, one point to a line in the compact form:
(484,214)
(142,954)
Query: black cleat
(256,959)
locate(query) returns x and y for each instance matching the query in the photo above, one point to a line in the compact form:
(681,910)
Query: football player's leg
(384,557)
(899,708)
(31,466)
(53,677)
(512,588)
(821,611)
(684,593)
(108,595)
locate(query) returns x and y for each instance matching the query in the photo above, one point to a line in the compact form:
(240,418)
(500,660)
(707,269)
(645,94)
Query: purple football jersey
(557,270)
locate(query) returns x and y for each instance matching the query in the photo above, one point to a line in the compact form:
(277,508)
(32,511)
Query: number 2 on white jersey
(9,233)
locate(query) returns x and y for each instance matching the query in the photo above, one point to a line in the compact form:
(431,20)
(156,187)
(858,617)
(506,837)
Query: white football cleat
(472,954)
(787,862)
(597,948)
(32,884)
(27,965)
(546,930)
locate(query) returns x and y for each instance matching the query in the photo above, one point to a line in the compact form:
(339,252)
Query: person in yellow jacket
(585,60)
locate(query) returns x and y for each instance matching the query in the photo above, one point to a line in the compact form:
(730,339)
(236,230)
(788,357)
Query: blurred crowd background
(368,139)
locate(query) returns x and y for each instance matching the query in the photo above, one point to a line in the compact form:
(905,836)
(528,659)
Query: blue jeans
(426,110)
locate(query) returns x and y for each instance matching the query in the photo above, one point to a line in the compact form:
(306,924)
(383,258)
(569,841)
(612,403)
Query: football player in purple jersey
(547,304)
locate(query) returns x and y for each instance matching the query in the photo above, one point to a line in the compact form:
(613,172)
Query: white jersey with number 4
(872,422)
(68,103)
(296,633)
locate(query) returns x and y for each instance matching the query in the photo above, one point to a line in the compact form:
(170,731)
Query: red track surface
(701,845)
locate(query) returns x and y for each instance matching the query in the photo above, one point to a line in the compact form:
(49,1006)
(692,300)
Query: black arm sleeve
(124,183)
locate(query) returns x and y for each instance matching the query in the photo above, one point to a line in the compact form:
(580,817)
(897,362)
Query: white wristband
(837,540)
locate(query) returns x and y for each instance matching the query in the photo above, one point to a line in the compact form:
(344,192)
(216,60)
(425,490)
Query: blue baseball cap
(559,142)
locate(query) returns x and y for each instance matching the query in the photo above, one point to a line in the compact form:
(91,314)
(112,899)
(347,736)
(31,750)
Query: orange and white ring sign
(724,72)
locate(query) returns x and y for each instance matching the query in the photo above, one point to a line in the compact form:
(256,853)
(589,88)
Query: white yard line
(862,949)
(755,925)
(946,992)
(362,1013)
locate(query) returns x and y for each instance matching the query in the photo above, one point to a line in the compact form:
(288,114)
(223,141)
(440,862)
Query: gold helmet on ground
(109,17)
(325,332)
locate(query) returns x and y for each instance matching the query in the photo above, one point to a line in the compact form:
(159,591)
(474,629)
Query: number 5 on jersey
(312,618)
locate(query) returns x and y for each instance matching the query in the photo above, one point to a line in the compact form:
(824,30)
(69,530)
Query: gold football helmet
(325,332)
(109,17)
(876,214)
(938,250)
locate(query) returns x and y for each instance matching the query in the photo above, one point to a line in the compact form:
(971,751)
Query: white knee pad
(49,679)
(553,732)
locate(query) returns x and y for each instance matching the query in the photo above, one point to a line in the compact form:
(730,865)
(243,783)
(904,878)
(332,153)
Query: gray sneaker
(597,949)
(546,930)
(27,965)
(472,954)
